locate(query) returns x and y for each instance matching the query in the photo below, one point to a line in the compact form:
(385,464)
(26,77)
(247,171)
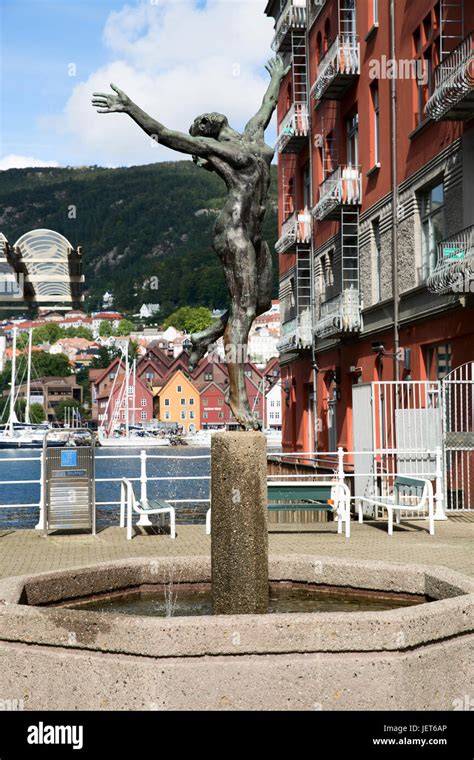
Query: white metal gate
(458,395)
(364,463)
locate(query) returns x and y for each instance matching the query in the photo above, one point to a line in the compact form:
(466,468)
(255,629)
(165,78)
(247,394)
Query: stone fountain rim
(392,630)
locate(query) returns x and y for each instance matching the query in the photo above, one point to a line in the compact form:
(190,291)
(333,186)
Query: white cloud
(13,161)
(175,61)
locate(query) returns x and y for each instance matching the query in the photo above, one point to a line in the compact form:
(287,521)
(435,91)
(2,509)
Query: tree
(49,333)
(189,318)
(105,329)
(125,327)
(64,404)
(104,358)
(77,332)
(37,414)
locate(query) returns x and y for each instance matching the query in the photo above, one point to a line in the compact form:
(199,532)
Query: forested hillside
(133,224)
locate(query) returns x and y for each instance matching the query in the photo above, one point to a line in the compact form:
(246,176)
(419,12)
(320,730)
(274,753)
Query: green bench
(420,492)
(299,495)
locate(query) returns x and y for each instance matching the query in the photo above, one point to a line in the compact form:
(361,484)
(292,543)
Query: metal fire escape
(453,95)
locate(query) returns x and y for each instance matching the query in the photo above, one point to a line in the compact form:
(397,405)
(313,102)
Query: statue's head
(208,125)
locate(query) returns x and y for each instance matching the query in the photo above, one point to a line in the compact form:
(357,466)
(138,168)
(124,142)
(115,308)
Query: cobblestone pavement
(28,551)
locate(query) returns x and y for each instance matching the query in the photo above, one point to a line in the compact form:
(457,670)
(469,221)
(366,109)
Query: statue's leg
(240,268)
(202,340)
(264,277)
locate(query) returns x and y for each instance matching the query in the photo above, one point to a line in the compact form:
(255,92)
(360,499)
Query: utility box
(69,485)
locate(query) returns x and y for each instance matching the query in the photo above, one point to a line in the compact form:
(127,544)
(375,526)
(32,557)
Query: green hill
(133,224)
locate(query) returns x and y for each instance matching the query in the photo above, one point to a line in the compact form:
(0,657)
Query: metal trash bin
(69,485)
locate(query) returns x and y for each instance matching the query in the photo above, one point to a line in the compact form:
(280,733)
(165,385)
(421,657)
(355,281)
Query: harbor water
(127,466)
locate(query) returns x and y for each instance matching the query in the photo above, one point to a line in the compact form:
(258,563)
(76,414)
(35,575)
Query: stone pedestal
(239,523)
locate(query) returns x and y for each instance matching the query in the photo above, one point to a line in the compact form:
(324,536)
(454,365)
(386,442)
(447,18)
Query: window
(432,226)
(220,402)
(182,415)
(130,390)
(205,415)
(378,260)
(191,402)
(208,376)
(149,375)
(179,389)
(143,401)
(248,373)
(167,402)
(167,415)
(272,403)
(183,402)
(426,47)
(438,361)
(123,415)
(191,415)
(306,187)
(144,415)
(205,402)
(374,91)
(278,403)
(353,140)
(220,415)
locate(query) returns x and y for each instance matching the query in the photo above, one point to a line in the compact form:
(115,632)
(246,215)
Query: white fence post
(144,519)
(41,524)
(439,495)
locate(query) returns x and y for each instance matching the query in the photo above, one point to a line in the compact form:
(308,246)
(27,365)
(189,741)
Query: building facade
(376,213)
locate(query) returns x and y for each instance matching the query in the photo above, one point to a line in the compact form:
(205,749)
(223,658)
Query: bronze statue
(243,161)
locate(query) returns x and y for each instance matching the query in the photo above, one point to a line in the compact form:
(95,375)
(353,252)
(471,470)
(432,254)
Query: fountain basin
(416,657)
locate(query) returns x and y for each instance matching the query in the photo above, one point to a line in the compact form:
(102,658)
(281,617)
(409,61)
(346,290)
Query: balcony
(340,315)
(453,96)
(341,188)
(454,271)
(296,334)
(294,128)
(296,230)
(338,69)
(292,17)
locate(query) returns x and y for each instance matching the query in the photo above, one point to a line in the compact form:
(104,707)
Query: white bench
(419,490)
(130,504)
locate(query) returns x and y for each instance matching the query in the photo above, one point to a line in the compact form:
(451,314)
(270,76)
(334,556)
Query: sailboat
(27,434)
(129,434)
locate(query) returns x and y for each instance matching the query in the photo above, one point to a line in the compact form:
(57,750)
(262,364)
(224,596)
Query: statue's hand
(106,103)
(276,68)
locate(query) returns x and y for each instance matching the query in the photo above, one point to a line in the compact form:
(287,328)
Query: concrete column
(239,523)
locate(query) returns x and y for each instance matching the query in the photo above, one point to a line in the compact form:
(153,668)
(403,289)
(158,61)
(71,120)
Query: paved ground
(27,551)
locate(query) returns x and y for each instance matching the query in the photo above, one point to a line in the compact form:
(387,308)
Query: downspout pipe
(393,119)
(314,365)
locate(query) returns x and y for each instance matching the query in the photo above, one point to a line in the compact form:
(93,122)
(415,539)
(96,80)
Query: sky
(175,58)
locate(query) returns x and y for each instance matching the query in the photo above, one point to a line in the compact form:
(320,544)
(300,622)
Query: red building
(134,402)
(376,212)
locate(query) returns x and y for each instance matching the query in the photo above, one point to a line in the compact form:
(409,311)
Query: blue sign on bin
(69,458)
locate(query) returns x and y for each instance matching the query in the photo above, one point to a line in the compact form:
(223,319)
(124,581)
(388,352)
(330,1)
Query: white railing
(295,230)
(144,479)
(342,59)
(340,463)
(294,124)
(454,271)
(340,314)
(454,80)
(343,187)
(293,16)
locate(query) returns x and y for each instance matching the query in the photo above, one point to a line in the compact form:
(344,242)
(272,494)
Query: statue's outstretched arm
(201,147)
(258,123)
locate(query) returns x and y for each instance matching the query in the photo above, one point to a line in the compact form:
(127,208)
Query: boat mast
(28,378)
(127,380)
(12,384)
(134,388)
